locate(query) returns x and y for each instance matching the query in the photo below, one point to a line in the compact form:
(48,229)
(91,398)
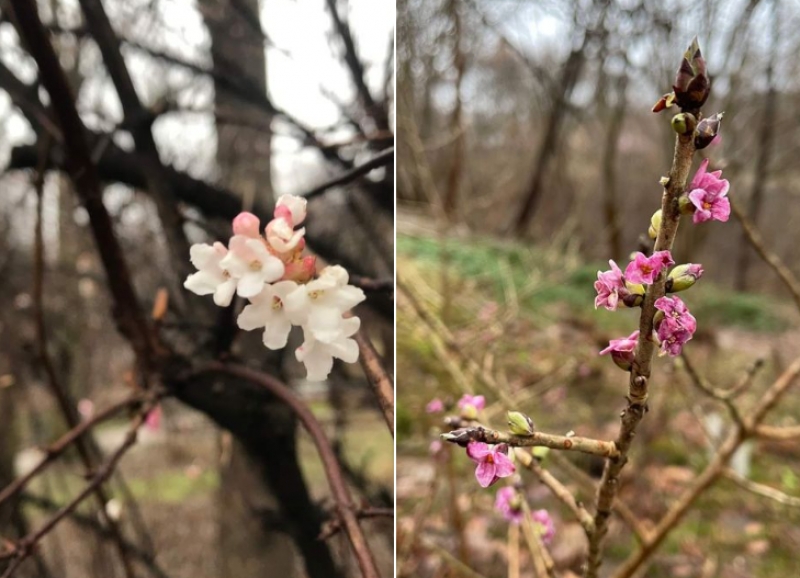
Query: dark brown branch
(345,507)
(383,158)
(136,117)
(78,163)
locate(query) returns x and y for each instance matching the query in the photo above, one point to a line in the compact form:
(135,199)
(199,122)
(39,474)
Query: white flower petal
(254,316)
(224,293)
(251,284)
(272,268)
(344,349)
(325,324)
(276,332)
(203,282)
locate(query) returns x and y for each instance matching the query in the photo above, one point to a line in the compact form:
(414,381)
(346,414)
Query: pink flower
(622,350)
(645,269)
(610,287)
(545,523)
(247,225)
(677,327)
(508,503)
(435,406)
(493,463)
(476,401)
(708,194)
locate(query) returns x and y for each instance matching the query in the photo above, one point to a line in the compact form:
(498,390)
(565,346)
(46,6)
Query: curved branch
(341,494)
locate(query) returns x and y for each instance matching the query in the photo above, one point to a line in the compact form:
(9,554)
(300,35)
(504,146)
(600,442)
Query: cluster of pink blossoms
(706,199)
(271,272)
(674,328)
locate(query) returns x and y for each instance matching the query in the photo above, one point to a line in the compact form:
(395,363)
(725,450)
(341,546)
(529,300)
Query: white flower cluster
(279,282)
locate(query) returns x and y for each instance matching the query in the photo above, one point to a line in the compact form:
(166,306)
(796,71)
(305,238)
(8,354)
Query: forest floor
(525,315)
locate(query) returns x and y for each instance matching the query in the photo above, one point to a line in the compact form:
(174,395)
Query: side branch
(595,447)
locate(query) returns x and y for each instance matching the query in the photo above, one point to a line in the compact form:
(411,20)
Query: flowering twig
(345,507)
(641,367)
(559,490)
(576,443)
(378,378)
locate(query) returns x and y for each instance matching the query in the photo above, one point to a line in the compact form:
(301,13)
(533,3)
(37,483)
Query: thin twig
(769,257)
(762,489)
(378,377)
(23,548)
(542,561)
(58,447)
(383,158)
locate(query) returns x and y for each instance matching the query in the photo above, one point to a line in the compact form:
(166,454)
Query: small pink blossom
(493,463)
(476,401)
(610,287)
(435,406)
(708,194)
(509,503)
(547,529)
(677,327)
(247,225)
(622,350)
(645,270)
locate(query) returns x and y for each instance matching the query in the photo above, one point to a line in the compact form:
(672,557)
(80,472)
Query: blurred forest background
(195,110)
(528,156)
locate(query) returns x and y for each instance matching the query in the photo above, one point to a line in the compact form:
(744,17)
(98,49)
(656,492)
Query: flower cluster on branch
(282,286)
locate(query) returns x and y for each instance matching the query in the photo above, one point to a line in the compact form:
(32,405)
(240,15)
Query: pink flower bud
(246,224)
(300,271)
